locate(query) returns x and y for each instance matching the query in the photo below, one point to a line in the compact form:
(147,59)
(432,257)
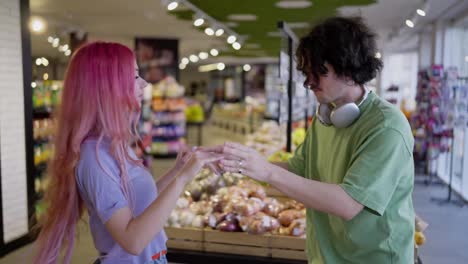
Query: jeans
(161,260)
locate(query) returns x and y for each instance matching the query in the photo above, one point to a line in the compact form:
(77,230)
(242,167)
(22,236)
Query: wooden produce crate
(287,247)
(185,238)
(239,243)
(236,243)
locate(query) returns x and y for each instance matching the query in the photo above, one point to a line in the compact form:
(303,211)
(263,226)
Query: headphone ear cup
(323,113)
(345,115)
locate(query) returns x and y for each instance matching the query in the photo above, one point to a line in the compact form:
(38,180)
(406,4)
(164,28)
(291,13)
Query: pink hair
(98,100)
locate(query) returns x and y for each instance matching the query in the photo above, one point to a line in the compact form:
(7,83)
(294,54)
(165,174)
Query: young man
(354,172)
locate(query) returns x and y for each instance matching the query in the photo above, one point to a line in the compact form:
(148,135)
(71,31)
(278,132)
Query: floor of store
(442,246)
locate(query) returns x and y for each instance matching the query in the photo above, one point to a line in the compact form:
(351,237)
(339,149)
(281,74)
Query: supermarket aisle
(446,236)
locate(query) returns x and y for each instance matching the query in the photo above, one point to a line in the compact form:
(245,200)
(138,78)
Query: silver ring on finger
(241,163)
(240,171)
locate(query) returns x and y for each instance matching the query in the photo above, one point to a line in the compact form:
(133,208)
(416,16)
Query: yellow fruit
(419,238)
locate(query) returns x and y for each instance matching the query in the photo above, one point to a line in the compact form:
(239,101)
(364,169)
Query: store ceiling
(261,30)
(122,20)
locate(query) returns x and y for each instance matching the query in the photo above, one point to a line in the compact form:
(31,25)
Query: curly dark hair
(345,43)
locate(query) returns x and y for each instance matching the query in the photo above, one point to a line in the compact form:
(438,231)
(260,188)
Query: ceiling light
(185,60)
(65,47)
(203,55)
(182,66)
(247,67)
(293,4)
(231,39)
(46,76)
(44,62)
(56,42)
(50,39)
(220,66)
(68,53)
(37,25)
(209,31)
(236,45)
(172,6)
(208,67)
(421,12)
(409,23)
(61,49)
(242,17)
(33,84)
(219,32)
(193,58)
(38,61)
(378,55)
(214,52)
(198,22)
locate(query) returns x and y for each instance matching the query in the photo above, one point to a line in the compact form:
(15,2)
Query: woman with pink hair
(93,166)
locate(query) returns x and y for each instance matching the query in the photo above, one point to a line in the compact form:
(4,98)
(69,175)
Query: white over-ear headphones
(342,116)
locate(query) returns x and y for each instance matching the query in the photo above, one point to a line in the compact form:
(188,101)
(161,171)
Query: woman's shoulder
(95,157)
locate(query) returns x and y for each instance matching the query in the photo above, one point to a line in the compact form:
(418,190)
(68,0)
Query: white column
(12,124)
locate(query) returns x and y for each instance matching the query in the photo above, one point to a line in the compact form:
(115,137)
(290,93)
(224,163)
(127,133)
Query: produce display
(232,203)
(46,95)
(163,118)
(268,139)
(43,130)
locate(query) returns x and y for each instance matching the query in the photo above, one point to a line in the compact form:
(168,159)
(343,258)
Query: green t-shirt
(372,161)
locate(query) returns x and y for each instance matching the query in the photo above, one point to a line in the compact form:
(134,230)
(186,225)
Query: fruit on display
(259,223)
(298,136)
(280,156)
(419,238)
(288,216)
(420,226)
(268,139)
(232,203)
(207,183)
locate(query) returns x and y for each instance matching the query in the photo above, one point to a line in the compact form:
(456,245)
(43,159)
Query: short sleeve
(100,185)
(376,169)
(296,164)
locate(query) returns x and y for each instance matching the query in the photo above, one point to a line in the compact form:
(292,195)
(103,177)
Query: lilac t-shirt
(98,180)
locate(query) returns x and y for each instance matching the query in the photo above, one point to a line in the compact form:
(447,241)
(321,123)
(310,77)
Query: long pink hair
(98,100)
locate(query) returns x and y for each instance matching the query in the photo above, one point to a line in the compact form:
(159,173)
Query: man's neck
(353,94)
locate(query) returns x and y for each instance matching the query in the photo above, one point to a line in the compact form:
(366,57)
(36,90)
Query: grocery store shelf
(166,139)
(41,113)
(40,168)
(165,156)
(195,123)
(169,111)
(41,141)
